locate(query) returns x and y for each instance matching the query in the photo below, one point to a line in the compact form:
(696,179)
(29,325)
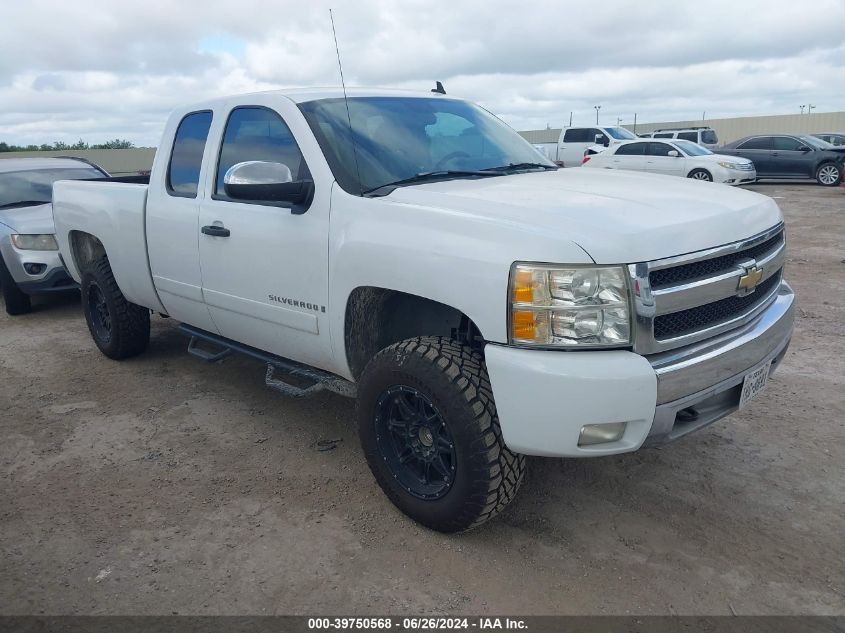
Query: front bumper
(544,398)
(52,277)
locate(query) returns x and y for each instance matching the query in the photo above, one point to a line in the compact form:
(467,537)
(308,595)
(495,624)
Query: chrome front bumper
(700,383)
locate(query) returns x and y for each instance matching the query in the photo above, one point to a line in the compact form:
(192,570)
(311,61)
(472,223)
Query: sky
(99,70)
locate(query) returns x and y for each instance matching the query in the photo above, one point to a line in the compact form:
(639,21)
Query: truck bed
(113,210)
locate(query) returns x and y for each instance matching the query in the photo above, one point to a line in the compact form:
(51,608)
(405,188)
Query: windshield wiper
(23,203)
(521,167)
(426,176)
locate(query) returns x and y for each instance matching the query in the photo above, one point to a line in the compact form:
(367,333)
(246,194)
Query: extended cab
(412,249)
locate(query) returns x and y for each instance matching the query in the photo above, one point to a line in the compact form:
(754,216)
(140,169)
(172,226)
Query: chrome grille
(685,321)
(685,299)
(684,272)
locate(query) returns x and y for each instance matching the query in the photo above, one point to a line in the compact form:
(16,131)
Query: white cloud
(98,69)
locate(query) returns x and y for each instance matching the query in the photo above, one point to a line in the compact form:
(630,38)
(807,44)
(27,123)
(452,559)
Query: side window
(787,144)
(183,173)
(760,142)
(659,149)
(664,135)
(255,133)
(576,135)
(689,136)
(632,149)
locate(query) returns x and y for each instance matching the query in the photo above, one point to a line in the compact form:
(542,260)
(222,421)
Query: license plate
(753,384)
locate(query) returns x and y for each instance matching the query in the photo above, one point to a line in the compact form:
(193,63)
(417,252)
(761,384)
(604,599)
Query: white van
(704,136)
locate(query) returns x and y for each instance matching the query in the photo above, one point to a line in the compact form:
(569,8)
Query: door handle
(215,230)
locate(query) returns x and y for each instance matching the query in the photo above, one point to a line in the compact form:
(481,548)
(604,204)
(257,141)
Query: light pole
(810,108)
(802,108)
(618,121)
(598,107)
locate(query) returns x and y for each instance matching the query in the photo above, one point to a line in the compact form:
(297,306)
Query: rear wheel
(829,175)
(17,302)
(119,328)
(700,174)
(431,436)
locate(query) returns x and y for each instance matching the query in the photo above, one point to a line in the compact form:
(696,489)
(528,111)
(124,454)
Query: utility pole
(635,122)
(802,108)
(570,119)
(598,107)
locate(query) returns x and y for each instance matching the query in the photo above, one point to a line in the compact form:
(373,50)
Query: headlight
(569,306)
(728,165)
(35,242)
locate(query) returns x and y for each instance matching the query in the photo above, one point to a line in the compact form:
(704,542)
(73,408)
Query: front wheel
(829,175)
(700,174)
(17,302)
(431,435)
(120,329)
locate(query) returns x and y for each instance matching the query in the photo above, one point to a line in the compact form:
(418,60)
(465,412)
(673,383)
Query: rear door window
(664,135)
(633,149)
(689,136)
(183,173)
(576,135)
(760,142)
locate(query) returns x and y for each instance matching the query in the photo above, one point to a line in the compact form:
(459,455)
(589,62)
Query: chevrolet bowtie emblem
(748,282)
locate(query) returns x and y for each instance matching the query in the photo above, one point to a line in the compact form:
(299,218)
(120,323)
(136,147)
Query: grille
(685,321)
(687,272)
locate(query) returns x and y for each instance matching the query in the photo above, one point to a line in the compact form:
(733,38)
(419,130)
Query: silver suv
(704,136)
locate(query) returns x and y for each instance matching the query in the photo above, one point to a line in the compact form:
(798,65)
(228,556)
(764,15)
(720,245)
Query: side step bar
(317,379)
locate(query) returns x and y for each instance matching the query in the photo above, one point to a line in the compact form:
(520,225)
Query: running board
(317,379)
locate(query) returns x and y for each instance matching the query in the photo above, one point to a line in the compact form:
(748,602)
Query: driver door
(264,264)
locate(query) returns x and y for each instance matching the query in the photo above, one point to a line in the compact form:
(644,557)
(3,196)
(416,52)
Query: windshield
(812,141)
(620,133)
(692,149)
(36,186)
(399,138)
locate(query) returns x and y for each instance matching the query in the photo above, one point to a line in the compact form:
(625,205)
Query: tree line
(61,147)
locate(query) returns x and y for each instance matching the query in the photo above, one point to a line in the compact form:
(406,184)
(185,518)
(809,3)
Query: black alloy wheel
(415,442)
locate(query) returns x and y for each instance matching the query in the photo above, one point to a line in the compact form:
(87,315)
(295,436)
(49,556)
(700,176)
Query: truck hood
(617,217)
(36,219)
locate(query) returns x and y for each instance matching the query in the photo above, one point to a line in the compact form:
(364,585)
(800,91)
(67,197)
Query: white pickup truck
(409,248)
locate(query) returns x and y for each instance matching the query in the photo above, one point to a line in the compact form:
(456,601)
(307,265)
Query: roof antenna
(346,102)
(439,89)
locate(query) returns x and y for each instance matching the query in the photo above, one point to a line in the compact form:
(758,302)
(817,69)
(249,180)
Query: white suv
(704,136)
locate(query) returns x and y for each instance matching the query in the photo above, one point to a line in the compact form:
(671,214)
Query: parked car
(837,139)
(573,141)
(674,158)
(791,156)
(416,251)
(704,136)
(29,255)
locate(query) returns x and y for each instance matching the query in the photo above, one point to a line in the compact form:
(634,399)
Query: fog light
(601,433)
(34,269)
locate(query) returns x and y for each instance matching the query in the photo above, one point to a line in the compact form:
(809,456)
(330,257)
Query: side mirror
(804,148)
(601,139)
(673,153)
(267,182)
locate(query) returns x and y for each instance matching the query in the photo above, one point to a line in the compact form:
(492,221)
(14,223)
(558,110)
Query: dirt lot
(164,485)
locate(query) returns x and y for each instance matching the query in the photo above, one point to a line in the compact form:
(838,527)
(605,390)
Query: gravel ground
(165,485)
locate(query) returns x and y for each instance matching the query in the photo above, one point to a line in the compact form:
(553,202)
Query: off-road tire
(454,378)
(17,302)
(129,332)
(825,172)
(700,174)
